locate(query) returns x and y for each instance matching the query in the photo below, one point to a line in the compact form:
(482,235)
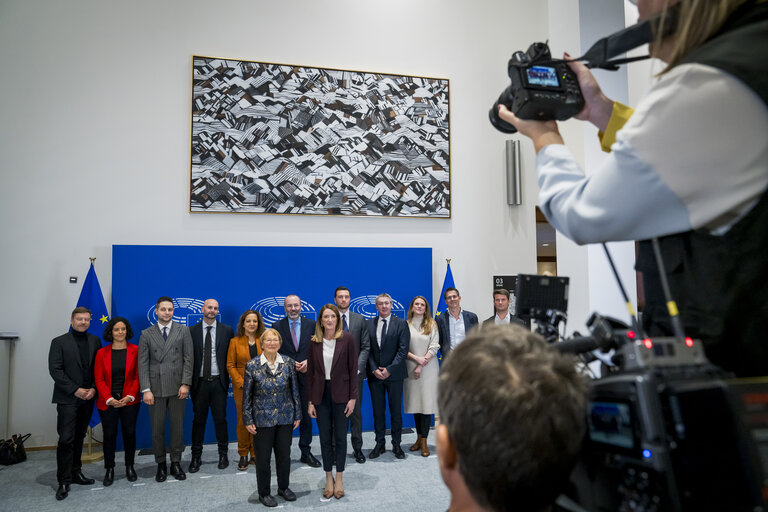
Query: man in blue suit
(390,339)
(296,331)
(454,325)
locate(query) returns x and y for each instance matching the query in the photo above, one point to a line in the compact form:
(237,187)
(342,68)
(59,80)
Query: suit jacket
(103,375)
(165,365)
(358,327)
(512,320)
(270,399)
(343,371)
(444,329)
(224,333)
(393,350)
(66,368)
(307,331)
(238,356)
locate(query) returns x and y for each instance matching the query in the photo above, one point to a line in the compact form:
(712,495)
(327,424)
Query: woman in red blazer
(332,391)
(116,374)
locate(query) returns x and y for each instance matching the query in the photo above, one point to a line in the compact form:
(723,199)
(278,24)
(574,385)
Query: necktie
(293,336)
(165,334)
(383,331)
(207,353)
(344,324)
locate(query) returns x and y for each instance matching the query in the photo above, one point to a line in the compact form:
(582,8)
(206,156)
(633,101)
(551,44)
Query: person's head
(292,306)
(452,298)
(342,297)
(250,324)
(501,301)
(80,319)
(209,310)
(270,342)
(117,329)
(328,324)
(512,420)
(164,309)
(420,308)
(698,21)
(384,305)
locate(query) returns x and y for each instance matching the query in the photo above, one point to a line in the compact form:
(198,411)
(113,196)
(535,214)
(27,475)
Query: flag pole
(90,457)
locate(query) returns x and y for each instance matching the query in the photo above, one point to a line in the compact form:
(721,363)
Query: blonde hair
(269,331)
(697,22)
(319,331)
(427,323)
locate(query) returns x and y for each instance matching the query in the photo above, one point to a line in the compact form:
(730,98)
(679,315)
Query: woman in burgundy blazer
(116,375)
(332,391)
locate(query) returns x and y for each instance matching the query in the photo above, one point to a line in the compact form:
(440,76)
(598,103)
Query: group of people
(282,377)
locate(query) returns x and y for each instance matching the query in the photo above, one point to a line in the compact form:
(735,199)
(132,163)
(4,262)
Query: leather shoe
(223,461)
(177,472)
(109,477)
(162,472)
(359,457)
(62,492)
(397,451)
(80,479)
(194,464)
(130,473)
(287,493)
(243,464)
(378,450)
(268,500)
(310,460)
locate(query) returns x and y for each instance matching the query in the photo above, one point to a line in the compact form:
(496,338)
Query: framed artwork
(284,139)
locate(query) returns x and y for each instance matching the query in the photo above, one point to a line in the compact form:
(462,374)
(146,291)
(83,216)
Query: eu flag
(447,283)
(92,298)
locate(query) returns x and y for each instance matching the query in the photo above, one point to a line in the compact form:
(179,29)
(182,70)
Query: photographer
(689,166)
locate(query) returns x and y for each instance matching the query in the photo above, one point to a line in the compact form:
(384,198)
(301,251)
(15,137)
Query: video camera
(542,88)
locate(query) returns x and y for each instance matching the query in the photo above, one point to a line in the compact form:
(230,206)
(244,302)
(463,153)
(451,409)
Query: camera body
(541,88)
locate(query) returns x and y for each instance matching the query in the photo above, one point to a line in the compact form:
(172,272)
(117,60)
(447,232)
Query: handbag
(12,450)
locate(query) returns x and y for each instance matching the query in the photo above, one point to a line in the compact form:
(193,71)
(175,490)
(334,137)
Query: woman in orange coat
(244,347)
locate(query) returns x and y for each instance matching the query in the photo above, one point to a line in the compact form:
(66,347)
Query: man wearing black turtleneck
(70,363)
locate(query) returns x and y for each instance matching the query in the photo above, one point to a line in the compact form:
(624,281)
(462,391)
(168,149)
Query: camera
(542,88)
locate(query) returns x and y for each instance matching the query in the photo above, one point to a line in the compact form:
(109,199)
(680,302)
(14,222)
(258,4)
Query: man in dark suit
(390,339)
(70,362)
(501,308)
(165,374)
(453,325)
(355,324)
(296,331)
(210,382)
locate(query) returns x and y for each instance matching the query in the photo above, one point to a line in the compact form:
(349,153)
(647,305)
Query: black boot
(109,477)
(130,473)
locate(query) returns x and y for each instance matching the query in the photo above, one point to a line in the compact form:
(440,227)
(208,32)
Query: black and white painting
(276,138)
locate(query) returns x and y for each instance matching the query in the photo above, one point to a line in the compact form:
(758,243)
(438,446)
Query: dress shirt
(380,325)
(328,347)
(272,366)
(457,328)
(500,321)
(214,364)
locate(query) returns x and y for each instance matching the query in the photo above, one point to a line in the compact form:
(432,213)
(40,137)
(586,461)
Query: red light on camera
(631,335)
(688,342)
(648,343)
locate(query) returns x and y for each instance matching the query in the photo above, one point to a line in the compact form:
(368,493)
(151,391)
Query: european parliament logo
(186,311)
(366,306)
(272,309)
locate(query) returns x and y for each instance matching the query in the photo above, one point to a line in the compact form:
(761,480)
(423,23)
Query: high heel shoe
(338,490)
(327,493)
(417,445)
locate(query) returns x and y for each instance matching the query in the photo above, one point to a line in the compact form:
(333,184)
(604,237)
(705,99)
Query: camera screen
(542,75)
(611,423)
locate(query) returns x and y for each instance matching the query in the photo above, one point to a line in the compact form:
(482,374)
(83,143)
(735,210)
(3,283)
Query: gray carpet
(386,483)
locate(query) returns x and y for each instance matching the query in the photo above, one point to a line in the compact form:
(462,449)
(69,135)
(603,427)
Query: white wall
(94,143)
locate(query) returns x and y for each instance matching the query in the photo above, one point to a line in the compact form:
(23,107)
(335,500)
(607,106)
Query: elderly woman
(244,347)
(116,374)
(423,371)
(271,410)
(332,392)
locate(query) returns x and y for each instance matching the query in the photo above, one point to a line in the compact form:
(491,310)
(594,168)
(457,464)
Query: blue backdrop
(242,278)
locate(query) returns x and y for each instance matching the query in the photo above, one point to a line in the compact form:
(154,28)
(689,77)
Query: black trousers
(267,439)
(71,424)
(423,422)
(356,418)
(209,394)
(332,424)
(173,408)
(126,416)
(305,427)
(380,391)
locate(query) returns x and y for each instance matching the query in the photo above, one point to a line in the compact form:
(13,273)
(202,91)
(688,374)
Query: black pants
(332,424)
(126,416)
(380,390)
(71,425)
(276,438)
(356,418)
(209,394)
(305,427)
(423,422)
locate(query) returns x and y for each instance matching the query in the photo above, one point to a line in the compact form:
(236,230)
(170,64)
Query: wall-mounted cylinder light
(514,185)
